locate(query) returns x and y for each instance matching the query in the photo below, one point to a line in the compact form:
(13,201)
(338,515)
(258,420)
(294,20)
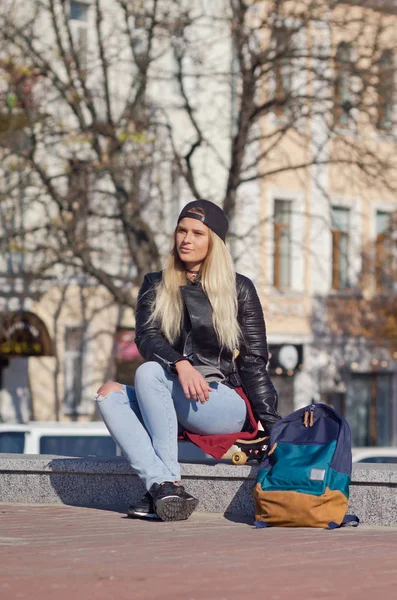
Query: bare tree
(79,155)
(97,130)
(295,66)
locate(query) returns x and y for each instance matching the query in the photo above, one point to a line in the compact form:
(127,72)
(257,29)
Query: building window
(82,46)
(126,355)
(386,91)
(343,85)
(340,217)
(73,369)
(283,69)
(19,104)
(78,198)
(368,409)
(282,244)
(384,251)
(78,15)
(78,11)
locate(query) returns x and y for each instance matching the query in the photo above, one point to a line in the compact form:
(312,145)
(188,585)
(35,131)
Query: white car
(387,454)
(75,439)
(60,439)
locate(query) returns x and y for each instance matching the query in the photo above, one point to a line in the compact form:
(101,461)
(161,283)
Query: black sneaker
(144,509)
(192,501)
(172,502)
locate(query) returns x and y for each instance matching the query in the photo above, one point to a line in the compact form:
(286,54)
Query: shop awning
(23,333)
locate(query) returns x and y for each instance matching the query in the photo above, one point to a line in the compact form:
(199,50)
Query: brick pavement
(69,553)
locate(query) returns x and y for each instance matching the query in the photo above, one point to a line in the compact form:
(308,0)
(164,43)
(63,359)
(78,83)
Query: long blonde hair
(218,279)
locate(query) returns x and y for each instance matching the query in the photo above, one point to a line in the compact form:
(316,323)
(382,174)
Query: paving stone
(62,553)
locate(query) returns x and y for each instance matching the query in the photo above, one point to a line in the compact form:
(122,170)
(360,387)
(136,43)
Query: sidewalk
(68,553)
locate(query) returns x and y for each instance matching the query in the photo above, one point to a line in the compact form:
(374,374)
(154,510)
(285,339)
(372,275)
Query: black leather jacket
(248,369)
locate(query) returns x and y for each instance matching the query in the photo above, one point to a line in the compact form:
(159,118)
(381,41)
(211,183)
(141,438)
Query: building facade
(303,232)
(328,232)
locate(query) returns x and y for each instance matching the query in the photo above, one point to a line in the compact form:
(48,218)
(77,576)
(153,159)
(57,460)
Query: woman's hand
(193,383)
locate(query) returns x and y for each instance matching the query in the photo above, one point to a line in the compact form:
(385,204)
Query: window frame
(278,229)
(381,252)
(79,29)
(337,235)
(386,88)
(79,192)
(84,404)
(297,200)
(343,66)
(295,62)
(283,69)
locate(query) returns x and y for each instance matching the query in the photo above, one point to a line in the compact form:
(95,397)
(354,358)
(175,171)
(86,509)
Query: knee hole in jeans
(108,388)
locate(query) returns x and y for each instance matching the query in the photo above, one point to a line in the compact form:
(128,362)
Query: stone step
(222,487)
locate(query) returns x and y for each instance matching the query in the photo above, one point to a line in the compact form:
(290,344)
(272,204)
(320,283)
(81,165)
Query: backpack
(304,479)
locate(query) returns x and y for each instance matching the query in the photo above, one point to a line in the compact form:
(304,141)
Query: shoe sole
(141,515)
(174,508)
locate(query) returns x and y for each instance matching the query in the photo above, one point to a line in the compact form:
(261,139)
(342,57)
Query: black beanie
(214,217)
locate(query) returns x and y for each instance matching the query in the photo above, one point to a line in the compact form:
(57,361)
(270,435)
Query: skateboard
(250,451)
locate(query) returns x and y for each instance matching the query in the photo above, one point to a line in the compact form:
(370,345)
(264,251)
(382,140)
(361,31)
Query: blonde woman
(200,327)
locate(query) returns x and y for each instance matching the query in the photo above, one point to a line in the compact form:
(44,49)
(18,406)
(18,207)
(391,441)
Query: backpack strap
(349,520)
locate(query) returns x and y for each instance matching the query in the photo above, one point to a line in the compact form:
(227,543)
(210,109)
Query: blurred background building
(115,114)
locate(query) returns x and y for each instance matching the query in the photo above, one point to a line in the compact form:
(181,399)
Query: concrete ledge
(225,488)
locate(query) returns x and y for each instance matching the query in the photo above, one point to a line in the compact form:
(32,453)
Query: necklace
(192,276)
(192,272)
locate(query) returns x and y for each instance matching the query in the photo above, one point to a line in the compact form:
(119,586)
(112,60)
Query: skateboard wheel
(239,458)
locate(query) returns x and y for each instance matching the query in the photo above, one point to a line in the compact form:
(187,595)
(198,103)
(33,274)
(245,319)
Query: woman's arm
(153,346)
(252,360)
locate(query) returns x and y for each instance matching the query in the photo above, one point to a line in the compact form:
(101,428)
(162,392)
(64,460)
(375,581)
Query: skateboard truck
(250,450)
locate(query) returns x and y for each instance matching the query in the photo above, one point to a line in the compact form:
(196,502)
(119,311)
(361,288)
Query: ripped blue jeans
(143,420)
